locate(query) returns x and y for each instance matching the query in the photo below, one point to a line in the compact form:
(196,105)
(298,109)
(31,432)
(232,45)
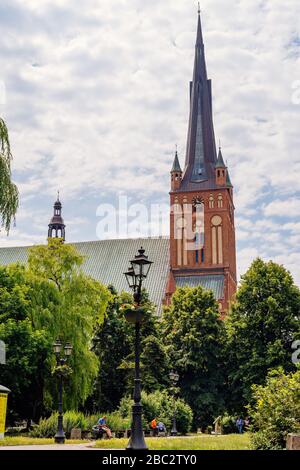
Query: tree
(114,346)
(261,328)
(160,404)
(155,364)
(154,360)
(69,305)
(193,333)
(276,410)
(9,197)
(28,350)
(111,343)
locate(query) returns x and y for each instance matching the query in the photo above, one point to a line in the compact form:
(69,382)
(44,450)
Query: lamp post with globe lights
(136,275)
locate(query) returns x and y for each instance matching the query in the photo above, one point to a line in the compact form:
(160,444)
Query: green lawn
(199,442)
(26,441)
(196,442)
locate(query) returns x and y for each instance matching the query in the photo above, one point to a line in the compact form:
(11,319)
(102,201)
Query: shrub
(116,422)
(276,410)
(47,427)
(160,405)
(228,424)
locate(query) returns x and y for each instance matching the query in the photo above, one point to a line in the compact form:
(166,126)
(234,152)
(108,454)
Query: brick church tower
(202,233)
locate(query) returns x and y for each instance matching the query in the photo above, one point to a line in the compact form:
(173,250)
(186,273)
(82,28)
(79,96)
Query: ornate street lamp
(135,276)
(174,377)
(60,361)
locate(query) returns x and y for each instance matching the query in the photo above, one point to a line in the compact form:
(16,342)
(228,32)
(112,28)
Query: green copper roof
(176,164)
(214,283)
(107,260)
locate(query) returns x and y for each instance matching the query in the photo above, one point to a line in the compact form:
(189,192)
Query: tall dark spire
(201,149)
(56,227)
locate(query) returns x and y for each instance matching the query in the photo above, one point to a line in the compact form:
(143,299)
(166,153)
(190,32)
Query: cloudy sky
(95,95)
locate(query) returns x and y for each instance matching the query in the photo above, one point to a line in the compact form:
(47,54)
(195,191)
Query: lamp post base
(137,440)
(59,438)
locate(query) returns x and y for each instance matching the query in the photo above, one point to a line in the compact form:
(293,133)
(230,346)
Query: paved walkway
(86,446)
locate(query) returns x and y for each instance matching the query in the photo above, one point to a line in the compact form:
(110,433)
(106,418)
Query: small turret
(176,174)
(56,227)
(221,170)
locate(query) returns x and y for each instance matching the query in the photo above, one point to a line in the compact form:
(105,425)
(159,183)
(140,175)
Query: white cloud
(283,208)
(97,97)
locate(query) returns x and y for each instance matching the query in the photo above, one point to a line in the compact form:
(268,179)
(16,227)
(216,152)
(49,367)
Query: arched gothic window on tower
(198,228)
(211,202)
(217,239)
(220,201)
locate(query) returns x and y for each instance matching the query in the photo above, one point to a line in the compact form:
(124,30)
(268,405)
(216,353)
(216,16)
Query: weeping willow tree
(9,196)
(68,305)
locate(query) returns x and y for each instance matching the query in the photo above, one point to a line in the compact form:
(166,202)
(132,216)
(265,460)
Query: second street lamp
(60,362)
(135,276)
(174,377)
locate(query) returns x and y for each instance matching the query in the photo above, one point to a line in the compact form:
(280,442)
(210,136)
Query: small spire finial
(220,146)
(199,9)
(175,148)
(58,195)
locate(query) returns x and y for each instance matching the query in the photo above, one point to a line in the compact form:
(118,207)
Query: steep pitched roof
(201,149)
(176,165)
(220,162)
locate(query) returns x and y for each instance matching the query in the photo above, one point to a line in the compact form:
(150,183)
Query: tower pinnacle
(56,227)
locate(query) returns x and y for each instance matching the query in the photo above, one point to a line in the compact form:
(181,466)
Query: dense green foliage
(51,298)
(112,343)
(218,361)
(276,410)
(28,350)
(79,304)
(193,334)
(262,325)
(47,427)
(160,405)
(114,347)
(9,196)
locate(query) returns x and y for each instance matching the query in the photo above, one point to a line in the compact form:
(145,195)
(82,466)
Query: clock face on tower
(197,201)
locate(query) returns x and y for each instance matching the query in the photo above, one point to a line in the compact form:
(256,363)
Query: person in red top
(153,425)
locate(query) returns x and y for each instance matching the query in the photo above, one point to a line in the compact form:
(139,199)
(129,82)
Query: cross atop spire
(199,41)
